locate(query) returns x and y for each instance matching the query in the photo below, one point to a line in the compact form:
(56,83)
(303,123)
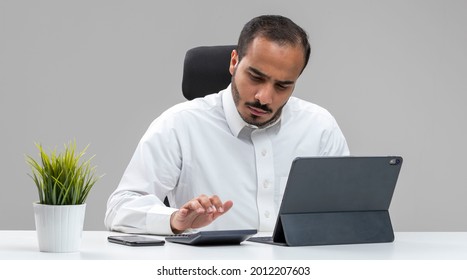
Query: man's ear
(233,61)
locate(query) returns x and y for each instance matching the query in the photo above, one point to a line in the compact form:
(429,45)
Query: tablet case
(334,228)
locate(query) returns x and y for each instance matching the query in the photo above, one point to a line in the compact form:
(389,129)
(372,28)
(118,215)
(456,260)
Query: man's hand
(198,212)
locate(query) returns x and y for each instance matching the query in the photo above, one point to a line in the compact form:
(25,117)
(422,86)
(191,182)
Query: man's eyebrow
(257,72)
(261,74)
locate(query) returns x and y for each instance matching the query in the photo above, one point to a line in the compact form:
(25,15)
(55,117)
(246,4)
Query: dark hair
(275,28)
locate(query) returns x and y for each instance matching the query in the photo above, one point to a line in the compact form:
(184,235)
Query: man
(223,160)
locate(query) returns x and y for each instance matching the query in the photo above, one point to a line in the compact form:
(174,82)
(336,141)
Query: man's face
(264,79)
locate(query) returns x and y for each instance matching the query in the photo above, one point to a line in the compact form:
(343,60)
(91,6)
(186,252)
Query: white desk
(22,245)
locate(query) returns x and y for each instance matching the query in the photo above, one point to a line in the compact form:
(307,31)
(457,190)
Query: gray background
(393,73)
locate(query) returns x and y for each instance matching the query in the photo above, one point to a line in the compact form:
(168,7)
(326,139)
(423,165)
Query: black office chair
(206,70)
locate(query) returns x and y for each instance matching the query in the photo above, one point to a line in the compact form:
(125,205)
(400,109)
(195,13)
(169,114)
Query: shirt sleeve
(136,206)
(333,142)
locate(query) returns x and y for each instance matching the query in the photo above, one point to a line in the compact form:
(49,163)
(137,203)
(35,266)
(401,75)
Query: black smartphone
(135,240)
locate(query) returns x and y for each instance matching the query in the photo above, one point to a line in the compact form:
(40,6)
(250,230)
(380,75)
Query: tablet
(336,200)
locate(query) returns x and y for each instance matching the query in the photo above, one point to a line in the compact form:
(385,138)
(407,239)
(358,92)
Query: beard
(253,119)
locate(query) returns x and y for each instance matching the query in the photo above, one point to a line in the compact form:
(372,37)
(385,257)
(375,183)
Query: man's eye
(281,87)
(255,78)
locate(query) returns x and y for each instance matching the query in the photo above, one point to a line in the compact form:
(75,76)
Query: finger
(225,207)
(206,203)
(193,206)
(182,212)
(216,203)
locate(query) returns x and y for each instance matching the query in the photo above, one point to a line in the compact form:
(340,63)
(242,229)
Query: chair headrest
(206,70)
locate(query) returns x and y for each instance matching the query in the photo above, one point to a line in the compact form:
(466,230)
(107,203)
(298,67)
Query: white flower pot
(59,227)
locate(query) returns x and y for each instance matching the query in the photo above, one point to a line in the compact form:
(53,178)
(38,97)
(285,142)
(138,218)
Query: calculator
(217,237)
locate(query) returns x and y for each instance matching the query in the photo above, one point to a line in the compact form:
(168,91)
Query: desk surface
(18,245)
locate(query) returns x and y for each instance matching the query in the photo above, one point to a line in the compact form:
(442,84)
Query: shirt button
(264,152)
(266,184)
(267,214)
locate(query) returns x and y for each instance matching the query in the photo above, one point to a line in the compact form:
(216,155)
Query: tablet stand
(334,228)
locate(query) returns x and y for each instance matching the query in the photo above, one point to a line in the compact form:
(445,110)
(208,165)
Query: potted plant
(63,181)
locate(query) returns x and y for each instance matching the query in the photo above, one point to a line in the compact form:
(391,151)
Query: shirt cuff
(158,220)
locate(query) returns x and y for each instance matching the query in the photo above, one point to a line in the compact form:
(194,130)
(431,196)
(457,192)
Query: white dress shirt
(203,146)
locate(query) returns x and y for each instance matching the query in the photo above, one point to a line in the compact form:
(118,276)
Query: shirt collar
(234,120)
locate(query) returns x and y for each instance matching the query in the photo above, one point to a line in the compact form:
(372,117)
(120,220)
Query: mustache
(258,105)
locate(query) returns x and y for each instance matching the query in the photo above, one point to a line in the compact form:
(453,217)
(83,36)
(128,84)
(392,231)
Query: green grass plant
(62,178)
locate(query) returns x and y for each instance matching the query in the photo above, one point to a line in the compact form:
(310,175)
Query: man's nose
(264,95)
